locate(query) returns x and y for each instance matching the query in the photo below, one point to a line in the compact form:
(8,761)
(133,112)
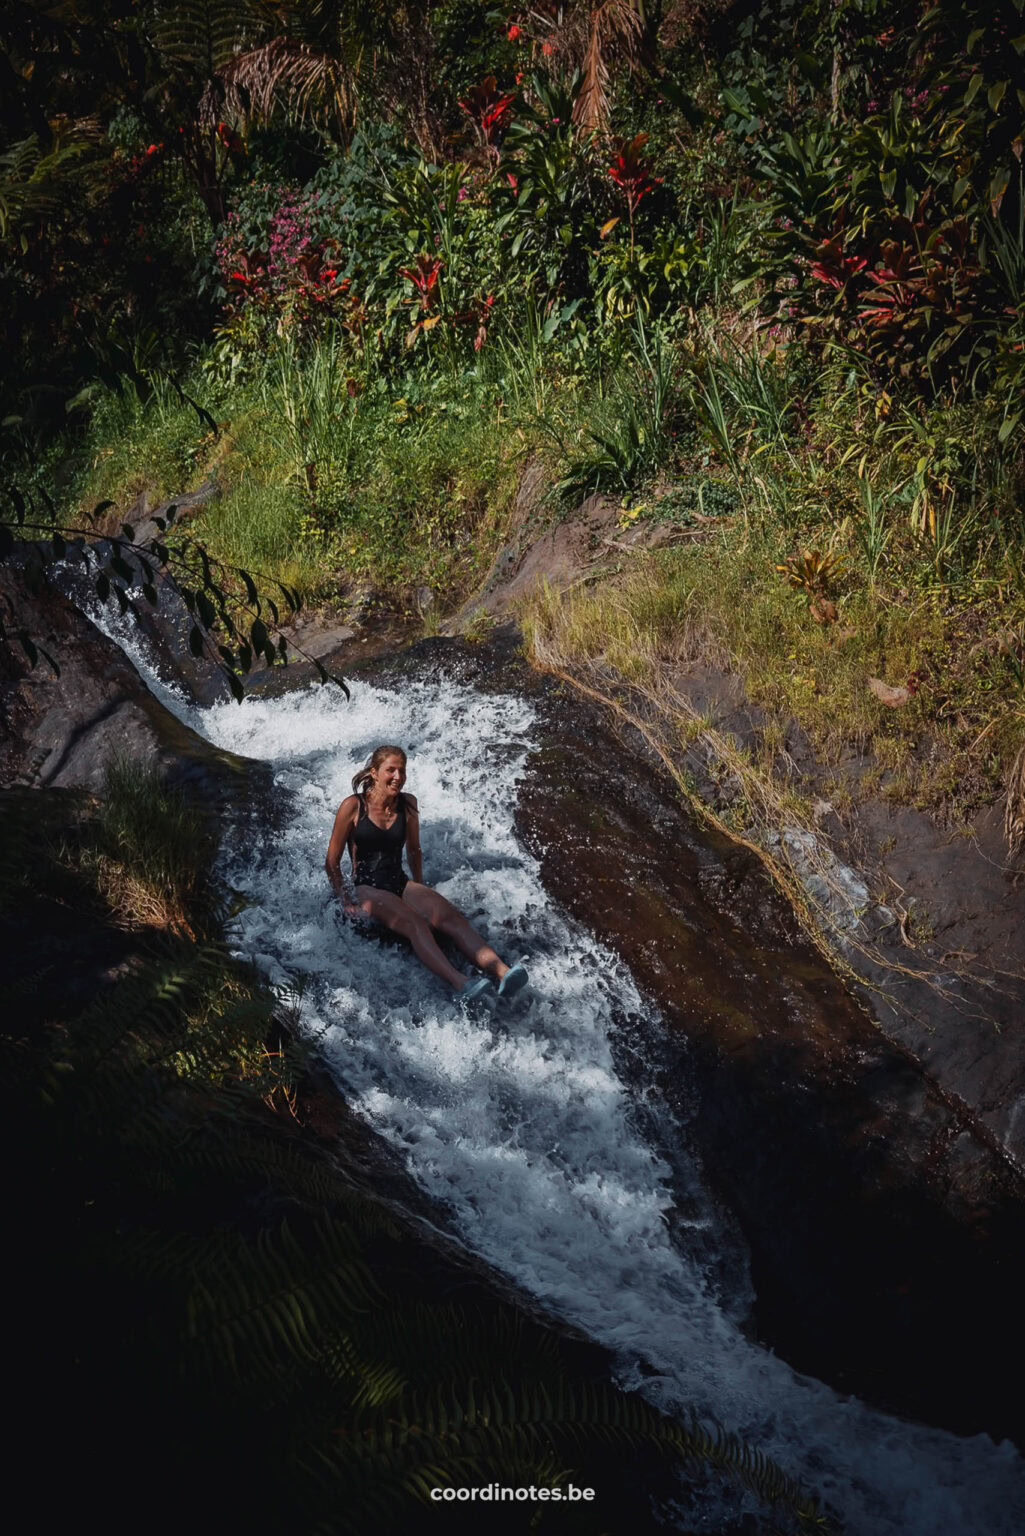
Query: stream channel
(558,1132)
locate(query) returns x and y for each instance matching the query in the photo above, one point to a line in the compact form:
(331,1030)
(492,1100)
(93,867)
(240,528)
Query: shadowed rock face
(62,730)
(882,1219)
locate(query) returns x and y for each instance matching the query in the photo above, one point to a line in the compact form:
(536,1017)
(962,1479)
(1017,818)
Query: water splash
(520,1123)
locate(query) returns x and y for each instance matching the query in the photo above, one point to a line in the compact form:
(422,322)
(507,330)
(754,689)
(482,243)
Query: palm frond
(205,35)
(613,30)
(287,71)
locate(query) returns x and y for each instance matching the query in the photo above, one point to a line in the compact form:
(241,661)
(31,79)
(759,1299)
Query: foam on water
(521,1123)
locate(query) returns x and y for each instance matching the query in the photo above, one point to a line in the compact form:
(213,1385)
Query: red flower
(230,139)
(152,149)
(511,179)
(513,33)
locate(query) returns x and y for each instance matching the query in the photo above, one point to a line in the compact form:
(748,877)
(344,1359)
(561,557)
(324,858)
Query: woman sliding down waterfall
(375,823)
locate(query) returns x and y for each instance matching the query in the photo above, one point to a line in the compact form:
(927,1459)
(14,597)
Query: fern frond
(205,35)
(31,177)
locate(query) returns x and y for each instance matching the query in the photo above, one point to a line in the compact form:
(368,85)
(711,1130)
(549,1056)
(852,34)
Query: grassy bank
(948,744)
(856,561)
(328,476)
(860,586)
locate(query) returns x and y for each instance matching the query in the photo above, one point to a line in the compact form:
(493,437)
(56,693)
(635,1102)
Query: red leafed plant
(424,277)
(478,314)
(632,174)
(833,266)
(488,108)
(920,303)
(896,280)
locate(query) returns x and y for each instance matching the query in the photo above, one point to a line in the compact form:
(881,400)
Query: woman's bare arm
(413,854)
(345,820)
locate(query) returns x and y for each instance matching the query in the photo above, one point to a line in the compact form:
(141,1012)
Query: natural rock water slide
(679,1046)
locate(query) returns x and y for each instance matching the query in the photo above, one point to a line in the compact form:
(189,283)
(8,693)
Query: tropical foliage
(387,250)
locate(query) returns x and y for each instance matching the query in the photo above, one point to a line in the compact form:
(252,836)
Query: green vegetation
(760,274)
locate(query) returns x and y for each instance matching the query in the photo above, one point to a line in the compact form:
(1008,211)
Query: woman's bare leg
(401,917)
(447,919)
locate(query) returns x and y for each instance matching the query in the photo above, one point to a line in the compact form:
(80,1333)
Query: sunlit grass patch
(152,851)
(949,740)
(265,529)
(152,444)
(325,479)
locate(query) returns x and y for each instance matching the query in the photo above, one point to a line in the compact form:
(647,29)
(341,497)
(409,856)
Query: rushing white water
(520,1122)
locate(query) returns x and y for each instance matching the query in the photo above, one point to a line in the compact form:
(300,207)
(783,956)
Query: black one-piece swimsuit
(377,851)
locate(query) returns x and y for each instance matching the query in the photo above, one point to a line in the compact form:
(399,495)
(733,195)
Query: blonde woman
(376,822)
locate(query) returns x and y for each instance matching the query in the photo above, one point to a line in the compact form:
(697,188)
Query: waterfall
(518,1121)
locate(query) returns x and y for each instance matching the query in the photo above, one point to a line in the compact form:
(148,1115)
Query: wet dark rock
(963,1015)
(62,730)
(883,1218)
(164,629)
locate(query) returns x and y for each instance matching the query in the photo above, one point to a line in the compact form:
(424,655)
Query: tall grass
(532,349)
(632,439)
(312,397)
(746,399)
(153,851)
(872,527)
(140,440)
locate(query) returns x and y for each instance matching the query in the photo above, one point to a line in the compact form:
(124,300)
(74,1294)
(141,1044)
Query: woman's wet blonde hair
(374,761)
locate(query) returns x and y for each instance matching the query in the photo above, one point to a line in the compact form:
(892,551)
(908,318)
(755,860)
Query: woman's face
(391,775)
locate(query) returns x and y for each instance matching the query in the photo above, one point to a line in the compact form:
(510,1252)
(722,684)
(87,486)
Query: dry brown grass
(138,902)
(1014,806)
(152,854)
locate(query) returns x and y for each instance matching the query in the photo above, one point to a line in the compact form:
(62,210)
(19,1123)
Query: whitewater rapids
(518,1122)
